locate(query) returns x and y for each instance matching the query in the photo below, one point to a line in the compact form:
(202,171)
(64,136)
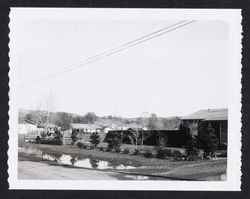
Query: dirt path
(43,171)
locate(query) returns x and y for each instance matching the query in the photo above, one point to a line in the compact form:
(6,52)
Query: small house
(24,126)
(84,131)
(215,118)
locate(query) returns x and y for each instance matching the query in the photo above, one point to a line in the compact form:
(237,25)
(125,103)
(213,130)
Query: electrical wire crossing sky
(120,66)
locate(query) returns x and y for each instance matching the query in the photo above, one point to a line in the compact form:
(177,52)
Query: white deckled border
(232,17)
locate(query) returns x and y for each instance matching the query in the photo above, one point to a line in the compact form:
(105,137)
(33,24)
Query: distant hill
(169,123)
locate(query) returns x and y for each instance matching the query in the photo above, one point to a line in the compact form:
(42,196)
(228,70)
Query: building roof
(208,115)
(25,121)
(85,126)
(50,125)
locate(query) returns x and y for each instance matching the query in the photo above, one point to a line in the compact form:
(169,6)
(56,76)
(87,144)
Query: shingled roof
(208,115)
(84,126)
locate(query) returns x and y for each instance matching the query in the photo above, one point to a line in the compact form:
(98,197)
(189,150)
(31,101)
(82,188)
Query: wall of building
(224,132)
(25,128)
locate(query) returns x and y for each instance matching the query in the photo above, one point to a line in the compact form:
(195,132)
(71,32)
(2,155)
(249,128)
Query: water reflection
(74,160)
(113,164)
(94,163)
(137,177)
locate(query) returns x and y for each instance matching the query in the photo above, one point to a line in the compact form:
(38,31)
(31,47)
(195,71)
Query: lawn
(134,160)
(183,170)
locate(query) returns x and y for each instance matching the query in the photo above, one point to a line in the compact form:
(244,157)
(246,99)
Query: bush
(168,153)
(114,142)
(209,142)
(192,154)
(80,144)
(163,153)
(177,155)
(94,139)
(160,153)
(126,151)
(137,152)
(101,148)
(223,154)
(222,146)
(38,140)
(52,142)
(109,149)
(148,154)
(118,150)
(74,136)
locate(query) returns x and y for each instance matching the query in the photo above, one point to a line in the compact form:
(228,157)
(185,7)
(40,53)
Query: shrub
(168,153)
(191,150)
(101,148)
(55,141)
(163,153)
(222,146)
(74,136)
(38,140)
(223,154)
(118,150)
(80,144)
(209,142)
(136,152)
(177,155)
(126,151)
(58,141)
(192,154)
(114,142)
(148,154)
(109,149)
(94,139)
(160,153)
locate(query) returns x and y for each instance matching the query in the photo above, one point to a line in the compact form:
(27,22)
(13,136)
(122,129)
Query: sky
(175,74)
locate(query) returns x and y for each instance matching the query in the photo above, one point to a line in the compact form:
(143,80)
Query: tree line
(62,119)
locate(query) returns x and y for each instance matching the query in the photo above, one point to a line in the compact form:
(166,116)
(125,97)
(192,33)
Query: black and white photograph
(145,99)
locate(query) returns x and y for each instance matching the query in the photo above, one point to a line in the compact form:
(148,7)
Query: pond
(78,161)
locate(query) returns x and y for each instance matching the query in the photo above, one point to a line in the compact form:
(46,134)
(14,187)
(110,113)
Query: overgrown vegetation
(148,154)
(209,142)
(94,139)
(126,151)
(52,138)
(118,150)
(137,152)
(114,143)
(163,153)
(101,148)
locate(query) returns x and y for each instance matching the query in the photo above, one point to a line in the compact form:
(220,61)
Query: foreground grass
(190,170)
(119,158)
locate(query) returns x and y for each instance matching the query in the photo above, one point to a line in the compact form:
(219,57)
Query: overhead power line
(114,51)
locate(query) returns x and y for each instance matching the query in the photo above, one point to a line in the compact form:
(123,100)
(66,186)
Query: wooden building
(216,118)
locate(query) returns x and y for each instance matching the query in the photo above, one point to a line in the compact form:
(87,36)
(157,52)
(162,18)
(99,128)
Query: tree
(192,144)
(90,117)
(78,119)
(114,141)
(209,142)
(38,139)
(63,120)
(58,137)
(94,139)
(94,162)
(74,136)
(152,122)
